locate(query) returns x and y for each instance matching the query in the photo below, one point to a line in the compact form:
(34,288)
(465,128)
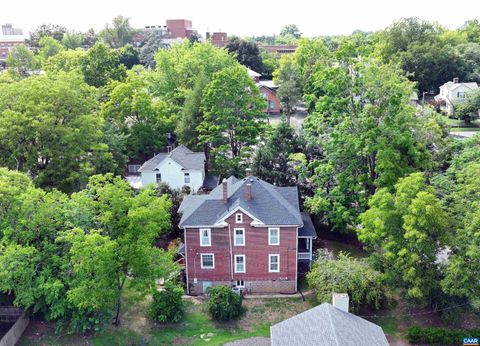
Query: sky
(239,17)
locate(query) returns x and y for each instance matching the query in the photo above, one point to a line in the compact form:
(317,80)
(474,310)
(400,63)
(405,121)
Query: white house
(454,92)
(178,168)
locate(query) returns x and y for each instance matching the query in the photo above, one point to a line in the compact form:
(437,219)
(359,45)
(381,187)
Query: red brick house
(246,233)
(268,90)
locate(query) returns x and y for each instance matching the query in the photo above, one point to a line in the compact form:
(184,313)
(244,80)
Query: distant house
(178,168)
(268,91)
(327,325)
(9,38)
(246,233)
(279,49)
(452,93)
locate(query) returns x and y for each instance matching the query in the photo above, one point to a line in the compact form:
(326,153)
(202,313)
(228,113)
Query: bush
(168,305)
(364,285)
(223,304)
(439,336)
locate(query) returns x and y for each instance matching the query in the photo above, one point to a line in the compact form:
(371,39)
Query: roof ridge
(334,330)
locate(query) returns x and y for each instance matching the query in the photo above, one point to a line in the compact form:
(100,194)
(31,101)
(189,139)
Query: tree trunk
(119,303)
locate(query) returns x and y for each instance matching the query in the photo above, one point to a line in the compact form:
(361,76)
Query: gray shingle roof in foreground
(270,204)
(181,155)
(326,325)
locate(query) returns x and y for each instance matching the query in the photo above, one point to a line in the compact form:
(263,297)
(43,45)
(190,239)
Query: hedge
(440,336)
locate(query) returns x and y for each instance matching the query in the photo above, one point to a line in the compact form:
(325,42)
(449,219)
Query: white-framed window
(205,237)
(186,178)
(238,218)
(158,178)
(274,263)
(274,236)
(239,236)
(207,261)
(461,94)
(133,168)
(240,266)
(240,283)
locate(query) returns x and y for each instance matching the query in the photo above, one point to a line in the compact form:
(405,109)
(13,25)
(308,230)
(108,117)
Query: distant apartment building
(9,38)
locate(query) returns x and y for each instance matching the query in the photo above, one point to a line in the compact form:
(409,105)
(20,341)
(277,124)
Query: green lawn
(196,329)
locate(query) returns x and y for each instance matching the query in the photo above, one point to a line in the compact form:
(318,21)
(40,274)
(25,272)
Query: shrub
(439,336)
(223,304)
(168,305)
(364,285)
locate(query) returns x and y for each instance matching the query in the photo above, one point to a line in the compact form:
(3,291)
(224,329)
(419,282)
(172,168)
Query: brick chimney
(248,191)
(340,301)
(225,191)
(248,172)
(456,80)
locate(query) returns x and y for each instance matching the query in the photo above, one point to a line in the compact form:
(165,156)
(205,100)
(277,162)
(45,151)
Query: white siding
(173,174)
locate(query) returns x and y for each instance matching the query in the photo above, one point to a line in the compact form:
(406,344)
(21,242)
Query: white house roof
(326,325)
(253,74)
(267,83)
(12,38)
(181,155)
(452,86)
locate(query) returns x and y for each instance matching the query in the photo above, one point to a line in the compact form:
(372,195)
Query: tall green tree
(233,117)
(101,65)
(291,30)
(290,86)
(406,230)
(132,109)
(368,134)
(119,33)
(246,52)
(55,31)
(48,127)
(272,161)
(49,47)
(21,61)
(154,41)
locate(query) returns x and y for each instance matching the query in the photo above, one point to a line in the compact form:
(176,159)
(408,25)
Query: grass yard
(196,329)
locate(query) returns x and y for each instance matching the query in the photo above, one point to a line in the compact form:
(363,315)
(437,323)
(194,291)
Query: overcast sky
(239,17)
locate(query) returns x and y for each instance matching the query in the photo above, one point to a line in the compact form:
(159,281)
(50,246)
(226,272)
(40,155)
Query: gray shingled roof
(270,204)
(181,155)
(326,325)
(308,230)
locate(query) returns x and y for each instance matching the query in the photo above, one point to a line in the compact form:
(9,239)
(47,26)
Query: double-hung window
(274,263)
(205,237)
(133,168)
(207,261)
(239,237)
(186,178)
(158,178)
(240,266)
(274,236)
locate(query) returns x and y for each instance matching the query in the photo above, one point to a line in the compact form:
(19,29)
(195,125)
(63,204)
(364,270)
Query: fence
(16,331)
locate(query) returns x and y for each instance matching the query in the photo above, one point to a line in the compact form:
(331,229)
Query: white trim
(238,219)
(235,236)
(269,236)
(201,260)
(270,263)
(200,233)
(186,259)
(255,220)
(240,286)
(244,264)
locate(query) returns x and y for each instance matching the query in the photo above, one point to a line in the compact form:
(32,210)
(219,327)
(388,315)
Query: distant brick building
(218,39)
(9,38)
(179,28)
(247,234)
(279,49)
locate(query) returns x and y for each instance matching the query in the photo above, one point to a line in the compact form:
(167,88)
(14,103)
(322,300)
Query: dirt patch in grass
(271,310)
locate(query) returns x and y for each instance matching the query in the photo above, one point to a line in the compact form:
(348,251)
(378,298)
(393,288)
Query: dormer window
(238,218)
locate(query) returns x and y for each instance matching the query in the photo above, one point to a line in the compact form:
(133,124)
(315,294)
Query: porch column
(310,247)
